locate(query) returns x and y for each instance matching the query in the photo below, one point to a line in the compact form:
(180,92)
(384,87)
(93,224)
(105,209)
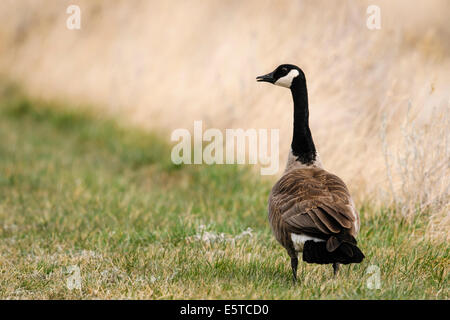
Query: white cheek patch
(286,81)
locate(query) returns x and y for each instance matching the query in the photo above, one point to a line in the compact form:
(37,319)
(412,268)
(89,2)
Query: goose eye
(284,69)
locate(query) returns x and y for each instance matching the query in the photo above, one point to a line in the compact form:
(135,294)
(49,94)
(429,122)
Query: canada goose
(310,209)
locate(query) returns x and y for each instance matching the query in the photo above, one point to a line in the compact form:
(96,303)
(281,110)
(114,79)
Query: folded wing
(314,202)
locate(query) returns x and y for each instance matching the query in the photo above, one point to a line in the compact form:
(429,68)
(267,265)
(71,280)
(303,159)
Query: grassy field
(81,192)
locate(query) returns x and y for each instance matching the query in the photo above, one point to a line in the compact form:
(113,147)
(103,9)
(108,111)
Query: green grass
(76,190)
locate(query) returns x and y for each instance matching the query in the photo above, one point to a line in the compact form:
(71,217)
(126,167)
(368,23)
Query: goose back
(311,202)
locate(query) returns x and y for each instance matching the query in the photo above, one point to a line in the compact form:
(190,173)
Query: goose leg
(335,268)
(294,264)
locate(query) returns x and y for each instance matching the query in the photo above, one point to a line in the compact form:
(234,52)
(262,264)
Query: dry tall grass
(164,64)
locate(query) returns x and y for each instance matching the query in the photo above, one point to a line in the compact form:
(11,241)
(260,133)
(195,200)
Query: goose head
(285,75)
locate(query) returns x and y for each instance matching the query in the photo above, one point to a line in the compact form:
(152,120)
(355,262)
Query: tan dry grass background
(163,64)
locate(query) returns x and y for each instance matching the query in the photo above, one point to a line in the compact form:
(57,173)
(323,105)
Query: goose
(310,209)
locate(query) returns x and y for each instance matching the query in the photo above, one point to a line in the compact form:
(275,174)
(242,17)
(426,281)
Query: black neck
(302,143)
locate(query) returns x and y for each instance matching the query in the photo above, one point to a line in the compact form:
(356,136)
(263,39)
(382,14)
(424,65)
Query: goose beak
(266,78)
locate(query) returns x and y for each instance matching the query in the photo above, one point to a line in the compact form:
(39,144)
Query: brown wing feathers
(340,213)
(315,202)
(330,224)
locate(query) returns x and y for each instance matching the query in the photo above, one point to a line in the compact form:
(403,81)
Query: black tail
(332,251)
